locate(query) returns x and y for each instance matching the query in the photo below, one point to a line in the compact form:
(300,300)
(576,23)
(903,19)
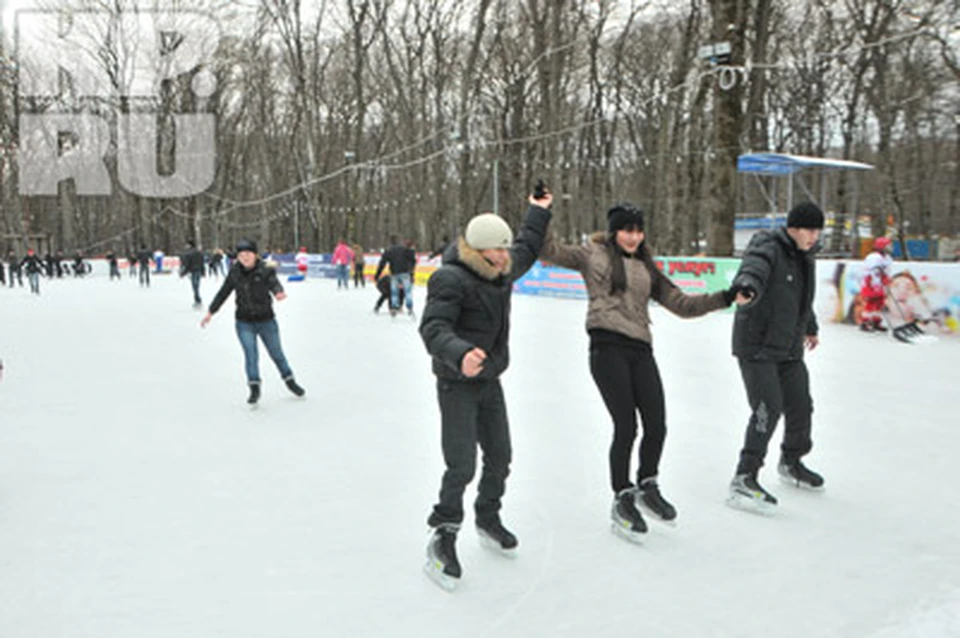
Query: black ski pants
(775,388)
(472,413)
(629,380)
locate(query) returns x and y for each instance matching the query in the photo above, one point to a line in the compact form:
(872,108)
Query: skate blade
(751,505)
(626,534)
(794,483)
(493,545)
(434,571)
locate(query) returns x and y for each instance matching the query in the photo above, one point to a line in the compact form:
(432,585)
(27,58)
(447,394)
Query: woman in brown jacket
(621,279)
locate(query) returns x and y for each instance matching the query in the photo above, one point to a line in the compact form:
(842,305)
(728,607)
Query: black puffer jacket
(773,326)
(254,288)
(400,259)
(192,261)
(468,302)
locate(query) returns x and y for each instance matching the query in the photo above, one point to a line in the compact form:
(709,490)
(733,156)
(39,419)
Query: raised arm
(526,247)
(566,255)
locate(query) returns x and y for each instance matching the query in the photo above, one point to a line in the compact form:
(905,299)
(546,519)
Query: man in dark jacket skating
(192,264)
(255,284)
(403,262)
(769,336)
(465,327)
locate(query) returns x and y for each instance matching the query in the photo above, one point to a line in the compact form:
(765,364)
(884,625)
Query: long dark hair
(618,272)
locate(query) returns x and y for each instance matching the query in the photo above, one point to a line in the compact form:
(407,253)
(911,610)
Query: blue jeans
(269,333)
(195,282)
(395,283)
(343,275)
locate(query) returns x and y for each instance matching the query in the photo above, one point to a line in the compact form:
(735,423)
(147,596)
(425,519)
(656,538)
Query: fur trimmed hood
(472,259)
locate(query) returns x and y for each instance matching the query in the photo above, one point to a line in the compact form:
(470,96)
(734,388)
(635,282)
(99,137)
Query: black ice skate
(254,394)
(794,472)
(652,502)
(493,535)
(627,521)
(442,566)
(293,387)
(746,494)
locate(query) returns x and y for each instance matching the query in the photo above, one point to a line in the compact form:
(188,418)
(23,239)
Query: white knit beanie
(488,231)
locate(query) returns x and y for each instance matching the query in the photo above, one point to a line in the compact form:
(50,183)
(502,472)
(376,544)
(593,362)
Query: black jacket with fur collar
(468,302)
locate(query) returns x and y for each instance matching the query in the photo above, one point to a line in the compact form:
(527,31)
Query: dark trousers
(775,388)
(629,380)
(114,272)
(472,413)
(358,279)
(145,275)
(195,283)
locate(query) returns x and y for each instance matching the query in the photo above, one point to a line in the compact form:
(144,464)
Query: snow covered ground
(141,498)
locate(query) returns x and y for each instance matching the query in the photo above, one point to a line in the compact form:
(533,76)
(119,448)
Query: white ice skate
(747,495)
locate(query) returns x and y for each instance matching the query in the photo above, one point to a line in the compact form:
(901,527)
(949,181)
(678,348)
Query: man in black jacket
(402,261)
(769,336)
(254,283)
(465,327)
(192,264)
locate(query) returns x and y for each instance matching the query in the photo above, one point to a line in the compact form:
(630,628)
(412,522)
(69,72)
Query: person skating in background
(255,285)
(114,265)
(466,327)
(33,266)
(15,271)
(303,261)
(215,265)
(358,264)
(132,263)
(342,258)
(58,260)
(143,260)
(191,263)
(383,287)
(402,261)
(622,279)
(79,267)
(778,274)
(873,286)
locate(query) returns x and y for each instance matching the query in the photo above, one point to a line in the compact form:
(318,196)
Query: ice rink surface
(141,498)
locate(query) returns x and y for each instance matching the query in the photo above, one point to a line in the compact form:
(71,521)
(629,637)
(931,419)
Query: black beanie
(246,244)
(623,215)
(805,215)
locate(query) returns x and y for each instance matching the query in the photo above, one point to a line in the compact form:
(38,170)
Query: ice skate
(651,502)
(442,566)
(493,535)
(746,494)
(797,474)
(293,387)
(254,394)
(626,520)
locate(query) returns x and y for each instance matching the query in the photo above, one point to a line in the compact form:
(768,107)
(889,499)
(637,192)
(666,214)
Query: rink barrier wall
(923,288)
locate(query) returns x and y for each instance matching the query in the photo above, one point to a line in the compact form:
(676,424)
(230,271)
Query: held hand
(743,297)
(472,363)
(281,296)
(811,342)
(206,319)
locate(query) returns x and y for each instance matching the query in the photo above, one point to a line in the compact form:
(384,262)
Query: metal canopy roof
(782,164)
